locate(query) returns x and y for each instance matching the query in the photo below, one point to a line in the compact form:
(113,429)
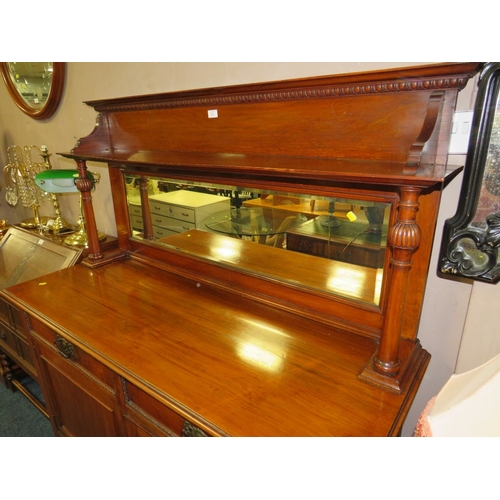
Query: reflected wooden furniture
(178,211)
(350,242)
(201,334)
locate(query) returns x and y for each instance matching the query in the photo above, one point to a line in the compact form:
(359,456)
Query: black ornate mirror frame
(53,99)
(471,238)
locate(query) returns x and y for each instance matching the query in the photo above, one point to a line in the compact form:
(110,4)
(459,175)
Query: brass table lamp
(64,181)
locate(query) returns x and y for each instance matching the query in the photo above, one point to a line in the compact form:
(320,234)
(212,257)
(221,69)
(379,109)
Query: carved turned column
(85,185)
(404,240)
(146,212)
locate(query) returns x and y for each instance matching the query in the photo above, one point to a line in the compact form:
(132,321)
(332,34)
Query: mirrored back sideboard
(315,198)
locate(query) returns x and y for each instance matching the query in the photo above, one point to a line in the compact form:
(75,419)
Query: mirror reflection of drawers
(177,211)
(135,215)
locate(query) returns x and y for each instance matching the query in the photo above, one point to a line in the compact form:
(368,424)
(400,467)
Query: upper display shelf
(306,128)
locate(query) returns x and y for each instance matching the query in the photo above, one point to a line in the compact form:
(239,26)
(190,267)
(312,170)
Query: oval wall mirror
(35,87)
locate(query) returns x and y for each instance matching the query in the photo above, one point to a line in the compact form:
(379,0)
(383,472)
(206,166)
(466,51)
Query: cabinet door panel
(80,405)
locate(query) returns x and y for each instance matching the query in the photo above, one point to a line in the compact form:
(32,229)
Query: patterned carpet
(19,418)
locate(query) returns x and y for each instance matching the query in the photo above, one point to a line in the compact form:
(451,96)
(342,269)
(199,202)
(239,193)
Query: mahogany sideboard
(222,333)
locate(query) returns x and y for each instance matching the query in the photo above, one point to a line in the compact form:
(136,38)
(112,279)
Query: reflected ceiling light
(260,357)
(228,250)
(261,325)
(378,285)
(349,281)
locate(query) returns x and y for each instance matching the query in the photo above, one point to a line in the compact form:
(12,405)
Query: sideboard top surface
(241,367)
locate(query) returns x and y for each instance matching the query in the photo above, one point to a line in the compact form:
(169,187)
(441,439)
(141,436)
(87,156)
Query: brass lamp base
(32,223)
(61,226)
(80,239)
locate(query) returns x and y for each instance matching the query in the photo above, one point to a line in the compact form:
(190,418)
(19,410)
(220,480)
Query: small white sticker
(40,242)
(212,113)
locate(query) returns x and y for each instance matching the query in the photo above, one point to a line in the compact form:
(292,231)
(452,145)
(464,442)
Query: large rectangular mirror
(334,245)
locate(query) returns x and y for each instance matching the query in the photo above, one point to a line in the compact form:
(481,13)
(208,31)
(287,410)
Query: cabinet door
(78,404)
(80,391)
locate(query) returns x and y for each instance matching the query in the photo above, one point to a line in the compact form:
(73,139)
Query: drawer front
(73,354)
(175,225)
(5,312)
(161,232)
(18,324)
(7,337)
(175,211)
(12,317)
(151,413)
(158,208)
(135,210)
(136,222)
(181,213)
(180,226)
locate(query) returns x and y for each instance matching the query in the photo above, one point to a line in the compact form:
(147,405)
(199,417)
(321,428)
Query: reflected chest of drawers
(178,211)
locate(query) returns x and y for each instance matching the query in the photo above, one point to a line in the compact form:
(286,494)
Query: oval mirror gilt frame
(470,245)
(53,99)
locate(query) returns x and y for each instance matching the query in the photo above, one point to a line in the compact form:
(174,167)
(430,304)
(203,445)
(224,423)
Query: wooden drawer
(12,317)
(7,337)
(14,339)
(152,416)
(17,323)
(73,354)
(5,312)
(151,412)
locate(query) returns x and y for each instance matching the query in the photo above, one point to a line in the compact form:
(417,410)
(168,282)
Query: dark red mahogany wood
(178,320)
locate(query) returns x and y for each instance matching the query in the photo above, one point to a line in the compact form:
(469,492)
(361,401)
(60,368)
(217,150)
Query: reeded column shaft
(404,239)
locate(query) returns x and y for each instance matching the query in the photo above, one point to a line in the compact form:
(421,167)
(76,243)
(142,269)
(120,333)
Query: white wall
(446,302)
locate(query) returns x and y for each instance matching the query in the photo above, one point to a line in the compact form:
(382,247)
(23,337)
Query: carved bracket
(473,253)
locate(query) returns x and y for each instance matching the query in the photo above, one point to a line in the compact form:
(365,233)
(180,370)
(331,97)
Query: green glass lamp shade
(59,181)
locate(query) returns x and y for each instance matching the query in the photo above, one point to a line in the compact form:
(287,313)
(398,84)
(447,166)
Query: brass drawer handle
(3,335)
(190,430)
(65,348)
